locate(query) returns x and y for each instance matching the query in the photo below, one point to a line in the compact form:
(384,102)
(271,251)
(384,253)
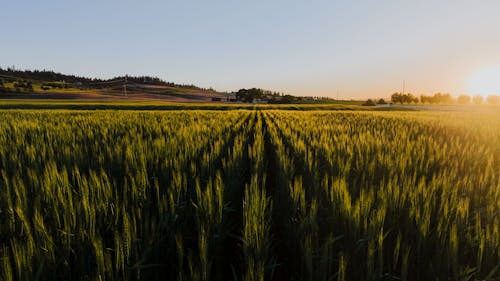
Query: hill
(35,84)
(44,84)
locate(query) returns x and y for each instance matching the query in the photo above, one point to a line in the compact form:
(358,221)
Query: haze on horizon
(359,48)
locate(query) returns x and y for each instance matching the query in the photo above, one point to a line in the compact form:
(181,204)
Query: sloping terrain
(49,85)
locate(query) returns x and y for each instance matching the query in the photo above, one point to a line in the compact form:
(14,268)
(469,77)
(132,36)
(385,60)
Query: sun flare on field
(485,81)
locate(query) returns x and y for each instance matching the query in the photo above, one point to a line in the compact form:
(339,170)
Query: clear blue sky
(362,48)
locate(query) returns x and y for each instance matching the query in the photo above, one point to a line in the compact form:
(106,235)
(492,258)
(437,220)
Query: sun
(485,81)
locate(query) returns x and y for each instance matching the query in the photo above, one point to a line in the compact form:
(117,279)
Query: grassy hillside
(50,85)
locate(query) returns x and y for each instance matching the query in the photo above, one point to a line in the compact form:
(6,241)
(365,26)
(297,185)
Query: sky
(346,49)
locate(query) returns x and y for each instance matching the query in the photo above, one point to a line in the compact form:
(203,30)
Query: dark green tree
(248,95)
(397,98)
(288,99)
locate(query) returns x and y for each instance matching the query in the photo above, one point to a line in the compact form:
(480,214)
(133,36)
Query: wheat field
(249,195)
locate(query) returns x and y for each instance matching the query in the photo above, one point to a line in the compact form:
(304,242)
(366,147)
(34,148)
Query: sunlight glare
(485,81)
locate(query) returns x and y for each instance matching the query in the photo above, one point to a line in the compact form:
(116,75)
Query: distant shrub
(23,86)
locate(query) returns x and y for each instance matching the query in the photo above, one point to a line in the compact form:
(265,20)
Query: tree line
(273,97)
(47,76)
(440,98)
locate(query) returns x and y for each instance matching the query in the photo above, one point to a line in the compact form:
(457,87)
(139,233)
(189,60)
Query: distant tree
(493,99)
(287,99)
(403,98)
(248,95)
(381,101)
(436,98)
(463,99)
(441,98)
(425,99)
(410,98)
(478,99)
(369,102)
(397,98)
(406,98)
(16,87)
(446,98)
(29,86)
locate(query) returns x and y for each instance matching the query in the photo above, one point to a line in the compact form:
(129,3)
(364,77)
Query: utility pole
(403,87)
(125,86)
(337,94)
